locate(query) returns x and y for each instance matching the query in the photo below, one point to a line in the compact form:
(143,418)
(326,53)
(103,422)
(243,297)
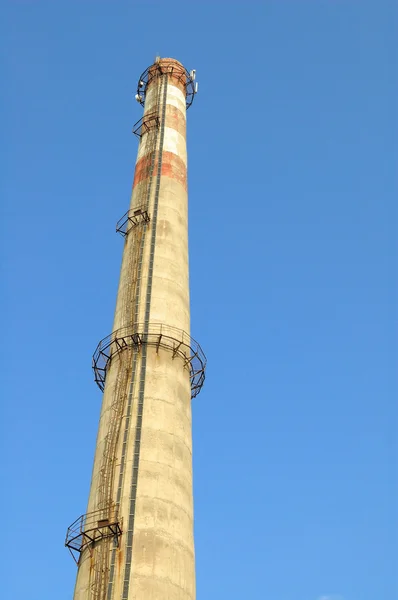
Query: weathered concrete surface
(162,565)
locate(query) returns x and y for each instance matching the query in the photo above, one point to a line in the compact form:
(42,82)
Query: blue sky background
(292,156)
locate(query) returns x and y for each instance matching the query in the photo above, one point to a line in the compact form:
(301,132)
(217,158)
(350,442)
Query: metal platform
(145,124)
(178,342)
(132,218)
(90,528)
(178,72)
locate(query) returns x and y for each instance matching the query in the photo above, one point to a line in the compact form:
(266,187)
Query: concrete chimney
(136,539)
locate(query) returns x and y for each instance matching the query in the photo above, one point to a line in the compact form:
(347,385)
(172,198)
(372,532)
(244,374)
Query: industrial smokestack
(136,539)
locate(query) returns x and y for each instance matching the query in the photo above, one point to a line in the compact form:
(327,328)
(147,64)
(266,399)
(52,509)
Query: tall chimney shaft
(136,539)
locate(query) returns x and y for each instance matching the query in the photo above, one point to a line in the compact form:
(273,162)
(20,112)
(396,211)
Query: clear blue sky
(293,143)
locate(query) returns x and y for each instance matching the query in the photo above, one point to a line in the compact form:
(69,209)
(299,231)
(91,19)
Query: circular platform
(178,342)
(172,68)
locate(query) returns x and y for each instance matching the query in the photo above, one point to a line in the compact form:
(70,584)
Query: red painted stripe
(175,119)
(172,166)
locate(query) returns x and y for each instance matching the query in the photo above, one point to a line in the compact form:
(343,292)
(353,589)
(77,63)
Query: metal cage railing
(177,341)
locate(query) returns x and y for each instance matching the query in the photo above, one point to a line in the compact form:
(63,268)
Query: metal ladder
(134,247)
(101,551)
